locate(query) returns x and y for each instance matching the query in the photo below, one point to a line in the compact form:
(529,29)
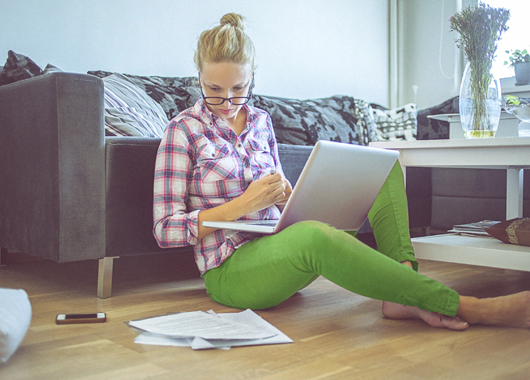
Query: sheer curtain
(517,36)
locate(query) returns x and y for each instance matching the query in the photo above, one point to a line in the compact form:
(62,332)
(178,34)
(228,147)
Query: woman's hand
(286,194)
(265,192)
(260,194)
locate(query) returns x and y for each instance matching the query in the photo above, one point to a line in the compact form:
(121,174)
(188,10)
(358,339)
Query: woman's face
(226,80)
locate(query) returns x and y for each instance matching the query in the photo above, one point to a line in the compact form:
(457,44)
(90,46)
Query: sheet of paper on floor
(200,330)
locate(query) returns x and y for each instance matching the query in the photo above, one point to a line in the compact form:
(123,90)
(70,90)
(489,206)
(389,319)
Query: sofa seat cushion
(293,159)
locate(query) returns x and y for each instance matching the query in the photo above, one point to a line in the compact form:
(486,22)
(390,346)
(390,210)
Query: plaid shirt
(201,163)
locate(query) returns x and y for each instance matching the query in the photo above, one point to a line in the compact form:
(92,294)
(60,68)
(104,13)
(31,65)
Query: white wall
(306,48)
(427,54)
(428,57)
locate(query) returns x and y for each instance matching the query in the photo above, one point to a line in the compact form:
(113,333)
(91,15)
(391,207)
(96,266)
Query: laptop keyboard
(264,223)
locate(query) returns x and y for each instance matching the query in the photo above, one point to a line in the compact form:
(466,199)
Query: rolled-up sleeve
(173,225)
(274,147)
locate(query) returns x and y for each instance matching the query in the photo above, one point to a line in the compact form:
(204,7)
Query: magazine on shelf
(477,228)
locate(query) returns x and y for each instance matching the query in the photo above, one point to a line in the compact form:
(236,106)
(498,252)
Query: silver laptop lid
(338,185)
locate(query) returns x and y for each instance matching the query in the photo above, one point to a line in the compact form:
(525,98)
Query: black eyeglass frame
(222,100)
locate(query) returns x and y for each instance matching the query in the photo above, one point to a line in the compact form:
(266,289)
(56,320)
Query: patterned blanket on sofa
(299,122)
(143,105)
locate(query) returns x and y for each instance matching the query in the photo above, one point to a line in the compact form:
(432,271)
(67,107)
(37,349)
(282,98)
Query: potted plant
(520,108)
(480,28)
(520,61)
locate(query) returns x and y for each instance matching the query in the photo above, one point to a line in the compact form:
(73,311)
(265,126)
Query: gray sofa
(70,193)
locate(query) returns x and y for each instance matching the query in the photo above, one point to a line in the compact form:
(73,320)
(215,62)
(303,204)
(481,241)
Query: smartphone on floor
(66,319)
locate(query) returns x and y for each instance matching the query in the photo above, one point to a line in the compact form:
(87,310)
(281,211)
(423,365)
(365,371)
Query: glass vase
(522,112)
(480,101)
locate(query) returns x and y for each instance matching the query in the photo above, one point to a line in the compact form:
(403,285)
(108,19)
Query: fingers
(282,188)
(266,191)
(273,182)
(277,189)
(274,177)
(287,185)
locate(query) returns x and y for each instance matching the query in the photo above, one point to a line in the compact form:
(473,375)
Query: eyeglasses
(217,100)
(235,100)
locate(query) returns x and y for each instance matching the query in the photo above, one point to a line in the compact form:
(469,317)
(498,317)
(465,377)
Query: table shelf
(473,250)
(509,153)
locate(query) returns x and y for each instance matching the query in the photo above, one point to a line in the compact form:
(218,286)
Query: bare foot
(397,311)
(512,310)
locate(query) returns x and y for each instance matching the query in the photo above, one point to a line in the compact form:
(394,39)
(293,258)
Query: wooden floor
(337,335)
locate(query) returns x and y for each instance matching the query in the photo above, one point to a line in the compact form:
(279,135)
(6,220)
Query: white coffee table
(511,154)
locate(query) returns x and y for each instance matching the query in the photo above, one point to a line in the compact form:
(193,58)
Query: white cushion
(15,317)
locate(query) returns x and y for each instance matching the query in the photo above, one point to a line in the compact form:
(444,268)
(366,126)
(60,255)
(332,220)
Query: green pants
(272,268)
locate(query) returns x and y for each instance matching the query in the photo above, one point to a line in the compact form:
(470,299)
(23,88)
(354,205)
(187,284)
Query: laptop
(337,186)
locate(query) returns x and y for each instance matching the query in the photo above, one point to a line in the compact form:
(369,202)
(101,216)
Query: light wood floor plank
(337,334)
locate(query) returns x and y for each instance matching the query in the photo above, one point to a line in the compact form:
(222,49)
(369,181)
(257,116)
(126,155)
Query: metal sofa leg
(105,277)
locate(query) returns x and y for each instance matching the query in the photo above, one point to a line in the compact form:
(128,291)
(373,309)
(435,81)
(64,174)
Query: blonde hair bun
(233,19)
(226,42)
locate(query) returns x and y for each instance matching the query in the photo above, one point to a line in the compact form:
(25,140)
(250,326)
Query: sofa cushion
(298,122)
(431,129)
(15,318)
(396,124)
(18,67)
(173,94)
(51,69)
(304,122)
(293,159)
(365,122)
(129,111)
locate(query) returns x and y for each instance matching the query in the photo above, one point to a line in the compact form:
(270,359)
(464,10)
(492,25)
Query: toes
(397,311)
(443,321)
(453,323)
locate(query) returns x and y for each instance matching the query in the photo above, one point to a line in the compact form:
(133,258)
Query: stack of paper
(203,330)
(477,228)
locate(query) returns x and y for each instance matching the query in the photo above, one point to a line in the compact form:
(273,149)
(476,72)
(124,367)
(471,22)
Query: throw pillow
(513,231)
(129,111)
(432,129)
(304,122)
(396,124)
(299,122)
(18,67)
(365,122)
(15,318)
(51,69)
(173,94)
